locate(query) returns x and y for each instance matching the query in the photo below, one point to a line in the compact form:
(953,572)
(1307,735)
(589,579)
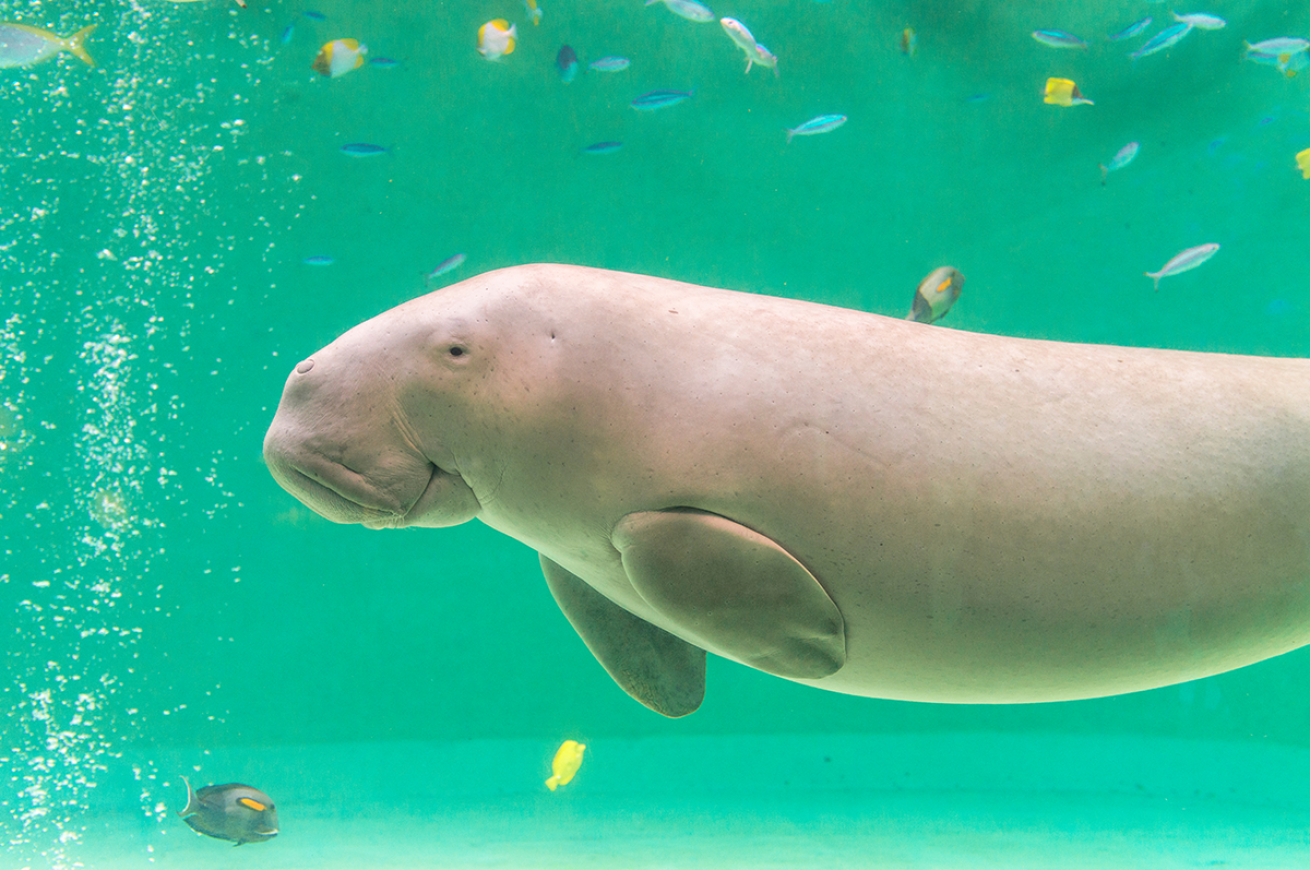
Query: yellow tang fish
(1063,92)
(22,44)
(1303,162)
(339,57)
(496,38)
(568,758)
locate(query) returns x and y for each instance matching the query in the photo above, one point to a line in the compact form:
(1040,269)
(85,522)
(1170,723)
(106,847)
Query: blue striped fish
(609,64)
(660,99)
(1058,39)
(821,124)
(1131,30)
(602,148)
(1162,40)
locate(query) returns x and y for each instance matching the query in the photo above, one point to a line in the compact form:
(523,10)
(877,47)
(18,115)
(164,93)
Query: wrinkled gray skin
(855,502)
(233,812)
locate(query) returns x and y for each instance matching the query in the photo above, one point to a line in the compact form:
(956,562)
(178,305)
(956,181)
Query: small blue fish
(363,149)
(288,33)
(814,126)
(609,64)
(447,265)
(383,62)
(315,16)
(1132,29)
(567,64)
(318,260)
(602,148)
(659,99)
(977,98)
(1058,39)
(1122,158)
(1162,40)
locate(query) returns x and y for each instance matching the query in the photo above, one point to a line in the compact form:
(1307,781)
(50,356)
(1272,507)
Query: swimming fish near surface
(314,15)
(814,126)
(613,63)
(383,62)
(936,294)
(567,64)
(1201,20)
(755,53)
(1122,158)
(602,148)
(1184,261)
(22,44)
(447,265)
(1170,36)
(233,812)
(688,9)
(338,57)
(1132,30)
(1303,162)
(1058,39)
(287,32)
(659,99)
(318,260)
(1063,92)
(909,42)
(496,38)
(534,11)
(363,149)
(568,758)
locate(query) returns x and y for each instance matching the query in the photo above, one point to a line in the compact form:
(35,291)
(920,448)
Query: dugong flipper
(654,667)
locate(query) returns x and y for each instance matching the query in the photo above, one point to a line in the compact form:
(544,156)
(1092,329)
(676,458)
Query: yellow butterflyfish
(1063,92)
(568,758)
(1303,162)
(496,38)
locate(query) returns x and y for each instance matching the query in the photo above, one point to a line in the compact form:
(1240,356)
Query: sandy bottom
(942,802)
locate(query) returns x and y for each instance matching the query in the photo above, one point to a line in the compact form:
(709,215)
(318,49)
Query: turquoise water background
(162,591)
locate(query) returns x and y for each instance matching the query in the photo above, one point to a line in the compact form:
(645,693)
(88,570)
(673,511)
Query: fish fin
(790,134)
(553,782)
(75,47)
(192,802)
(661,671)
(732,590)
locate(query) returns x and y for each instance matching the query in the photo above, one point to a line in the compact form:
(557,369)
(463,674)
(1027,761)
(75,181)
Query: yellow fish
(534,11)
(1303,162)
(568,758)
(909,41)
(23,44)
(339,57)
(496,38)
(1063,92)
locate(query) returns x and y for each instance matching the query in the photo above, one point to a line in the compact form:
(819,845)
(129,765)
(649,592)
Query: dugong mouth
(343,495)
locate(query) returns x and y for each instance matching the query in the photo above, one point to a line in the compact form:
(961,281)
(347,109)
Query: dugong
(854,502)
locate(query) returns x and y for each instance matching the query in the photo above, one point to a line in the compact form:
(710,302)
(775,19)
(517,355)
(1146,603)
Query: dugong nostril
(304,366)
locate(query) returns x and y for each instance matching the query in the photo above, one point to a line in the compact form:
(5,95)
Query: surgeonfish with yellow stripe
(233,812)
(1063,92)
(23,44)
(496,38)
(339,57)
(568,758)
(936,294)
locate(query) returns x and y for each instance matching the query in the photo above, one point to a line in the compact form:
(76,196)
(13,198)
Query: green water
(165,596)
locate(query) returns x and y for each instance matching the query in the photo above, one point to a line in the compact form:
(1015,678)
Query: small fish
(338,57)
(613,63)
(383,62)
(23,45)
(289,32)
(314,16)
(602,148)
(363,149)
(977,98)
(1063,92)
(1183,262)
(1132,30)
(1201,20)
(1303,162)
(567,64)
(1164,39)
(230,812)
(660,99)
(318,260)
(936,294)
(755,53)
(447,265)
(534,11)
(1288,64)
(814,126)
(496,38)
(568,758)
(688,9)
(909,42)
(1122,158)
(1279,45)
(1058,39)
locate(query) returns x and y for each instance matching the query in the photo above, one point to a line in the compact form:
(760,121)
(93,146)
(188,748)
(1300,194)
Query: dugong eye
(457,350)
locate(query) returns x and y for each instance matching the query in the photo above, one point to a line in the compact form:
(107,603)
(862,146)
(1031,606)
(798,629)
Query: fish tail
(74,45)
(790,133)
(1155,278)
(553,782)
(1105,172)
(190,800)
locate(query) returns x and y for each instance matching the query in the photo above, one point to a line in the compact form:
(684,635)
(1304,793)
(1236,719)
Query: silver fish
(230,812)
(688,9)
(23,44)
(1122,158)
(1183,261)
(936,294)
(1165,38)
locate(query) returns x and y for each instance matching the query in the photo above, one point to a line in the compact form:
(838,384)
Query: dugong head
(365,428)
